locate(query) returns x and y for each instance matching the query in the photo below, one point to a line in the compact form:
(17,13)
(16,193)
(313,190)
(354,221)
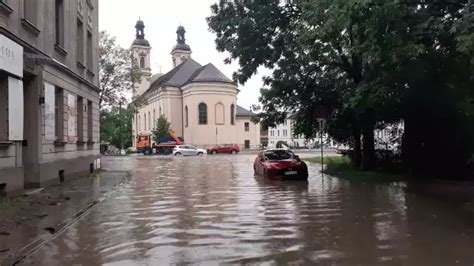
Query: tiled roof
(209,73)
(244,112)
(188,72)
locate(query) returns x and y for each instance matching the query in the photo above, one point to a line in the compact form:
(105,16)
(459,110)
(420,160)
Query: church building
(198,100)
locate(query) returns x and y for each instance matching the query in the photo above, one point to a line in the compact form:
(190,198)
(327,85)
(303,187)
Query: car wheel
(200,154)
(214,152)
(147,152)
(178,154)
(233,152)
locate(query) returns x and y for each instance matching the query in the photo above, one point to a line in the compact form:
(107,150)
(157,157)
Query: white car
(188,150)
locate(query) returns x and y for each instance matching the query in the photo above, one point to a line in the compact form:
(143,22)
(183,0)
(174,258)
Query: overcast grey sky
(161,18)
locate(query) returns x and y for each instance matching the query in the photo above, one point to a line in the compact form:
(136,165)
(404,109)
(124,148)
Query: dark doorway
(247,144)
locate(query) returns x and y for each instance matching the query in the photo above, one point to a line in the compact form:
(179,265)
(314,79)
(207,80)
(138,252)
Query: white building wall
(252,135)
(211,133)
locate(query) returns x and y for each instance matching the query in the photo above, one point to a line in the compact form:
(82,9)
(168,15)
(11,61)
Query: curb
(46,237)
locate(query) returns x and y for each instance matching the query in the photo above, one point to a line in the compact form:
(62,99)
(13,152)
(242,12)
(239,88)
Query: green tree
(118,73)
(116,127)
(369,62)
(161,128)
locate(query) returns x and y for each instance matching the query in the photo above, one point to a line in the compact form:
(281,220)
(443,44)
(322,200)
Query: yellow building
(198,100)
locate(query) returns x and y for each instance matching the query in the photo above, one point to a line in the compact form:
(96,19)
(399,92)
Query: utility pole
(321,130)
(120,126)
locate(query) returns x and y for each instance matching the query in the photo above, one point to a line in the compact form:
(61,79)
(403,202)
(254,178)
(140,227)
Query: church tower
(181,51)
(141,58)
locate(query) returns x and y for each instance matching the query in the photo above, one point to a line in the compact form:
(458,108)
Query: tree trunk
(356,159)
(368,151)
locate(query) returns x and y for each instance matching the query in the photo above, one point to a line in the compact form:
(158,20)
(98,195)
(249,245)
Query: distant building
(49,119)
(284,133)
(199,101)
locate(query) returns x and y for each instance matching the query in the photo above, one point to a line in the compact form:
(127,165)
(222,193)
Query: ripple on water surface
(212,210)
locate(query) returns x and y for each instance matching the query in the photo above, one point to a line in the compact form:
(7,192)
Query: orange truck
(146,145)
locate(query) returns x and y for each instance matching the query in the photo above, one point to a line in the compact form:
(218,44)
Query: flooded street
(212,210)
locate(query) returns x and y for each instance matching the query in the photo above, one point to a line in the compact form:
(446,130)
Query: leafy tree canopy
(161,128)
(117,73)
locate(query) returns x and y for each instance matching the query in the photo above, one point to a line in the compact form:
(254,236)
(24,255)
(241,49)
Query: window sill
(5,144)
(81,65)
(30,26)
(60,49)
(89,3)
(90,73)
(5,9)
(60,143)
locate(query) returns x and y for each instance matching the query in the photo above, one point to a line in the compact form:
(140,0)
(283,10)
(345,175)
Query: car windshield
(278,155)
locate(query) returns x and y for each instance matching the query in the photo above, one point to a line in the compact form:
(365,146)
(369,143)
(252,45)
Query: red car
(224,148)
(280,164)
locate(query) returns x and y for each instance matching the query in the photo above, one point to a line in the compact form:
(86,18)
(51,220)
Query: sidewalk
(28,221)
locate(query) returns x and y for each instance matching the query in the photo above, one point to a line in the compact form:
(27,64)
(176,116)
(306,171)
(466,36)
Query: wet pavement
(212,210)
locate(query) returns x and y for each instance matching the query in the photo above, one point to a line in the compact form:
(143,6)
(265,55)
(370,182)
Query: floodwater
(212,210)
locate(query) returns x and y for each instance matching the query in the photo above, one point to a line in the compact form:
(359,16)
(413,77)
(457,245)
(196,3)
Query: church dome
(181,40)
(140,35)
(140,24)
(182,47)
(141,42)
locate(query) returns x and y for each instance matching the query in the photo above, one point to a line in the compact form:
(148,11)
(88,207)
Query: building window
(247,126)
(59,114)
(144,121)
(232,114)
(59,21)
(154,117)
(90,125)
(202,114)
(149,121)
(80,42)
(90,63)
(186,117)
(3,107)
(160,111)
(80,118)
(30,9)
(219,114)
(142,62)
(139,121)
(278,132)
(285,132)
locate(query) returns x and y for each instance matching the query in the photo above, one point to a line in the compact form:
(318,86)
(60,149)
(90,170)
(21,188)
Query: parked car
(188,150)
(224,148)
(280,164)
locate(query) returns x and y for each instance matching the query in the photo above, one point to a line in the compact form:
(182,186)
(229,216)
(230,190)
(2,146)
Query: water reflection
(214,210)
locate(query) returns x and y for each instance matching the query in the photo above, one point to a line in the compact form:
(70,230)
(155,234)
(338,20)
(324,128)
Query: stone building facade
(198,100)
(49,118)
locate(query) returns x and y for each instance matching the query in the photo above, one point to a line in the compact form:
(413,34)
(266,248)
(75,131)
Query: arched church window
(186,119)
(202,114)
(219,114)
(139,121)
(154,117)
(144,121)
(142,62)
(149,121)
(232,114)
